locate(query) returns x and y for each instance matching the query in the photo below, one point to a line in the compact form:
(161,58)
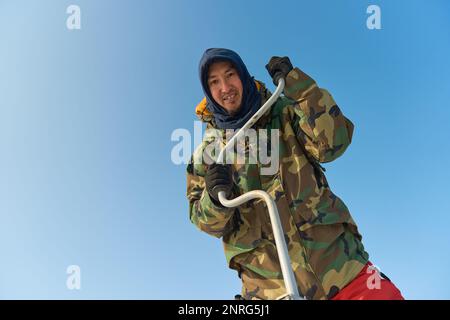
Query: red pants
(369,284)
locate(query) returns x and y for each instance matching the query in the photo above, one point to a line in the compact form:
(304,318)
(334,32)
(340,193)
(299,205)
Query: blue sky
(86,118)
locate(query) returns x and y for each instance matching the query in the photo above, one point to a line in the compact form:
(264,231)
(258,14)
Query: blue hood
(251,99)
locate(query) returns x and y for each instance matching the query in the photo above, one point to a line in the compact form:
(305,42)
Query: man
(327,255)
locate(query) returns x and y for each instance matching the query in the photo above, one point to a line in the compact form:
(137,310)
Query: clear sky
(86,118)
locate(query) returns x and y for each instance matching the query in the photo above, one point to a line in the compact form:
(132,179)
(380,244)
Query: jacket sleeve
(203,213)
(319,123)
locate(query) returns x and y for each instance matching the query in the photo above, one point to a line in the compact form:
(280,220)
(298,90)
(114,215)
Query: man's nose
(225,86)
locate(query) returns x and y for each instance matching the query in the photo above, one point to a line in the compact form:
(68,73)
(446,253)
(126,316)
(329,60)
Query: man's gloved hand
(279,67)
(218,178)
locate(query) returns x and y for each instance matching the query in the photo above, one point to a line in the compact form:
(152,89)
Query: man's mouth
(229,98)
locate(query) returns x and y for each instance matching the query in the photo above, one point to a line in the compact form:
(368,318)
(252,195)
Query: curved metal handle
(283,254)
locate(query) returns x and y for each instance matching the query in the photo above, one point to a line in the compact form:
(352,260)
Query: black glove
(218,178)
(279,67)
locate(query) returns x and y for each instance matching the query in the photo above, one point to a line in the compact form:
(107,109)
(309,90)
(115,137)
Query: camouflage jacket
(323,240)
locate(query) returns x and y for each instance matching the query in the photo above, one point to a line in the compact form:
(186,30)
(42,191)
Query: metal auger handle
(280,242)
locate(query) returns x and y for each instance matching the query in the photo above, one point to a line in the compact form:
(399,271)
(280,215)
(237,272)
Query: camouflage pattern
(323,240)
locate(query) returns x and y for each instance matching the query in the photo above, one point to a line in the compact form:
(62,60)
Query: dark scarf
(251,99)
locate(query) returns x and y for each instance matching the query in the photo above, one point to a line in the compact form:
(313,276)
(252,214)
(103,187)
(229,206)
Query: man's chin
(233,111)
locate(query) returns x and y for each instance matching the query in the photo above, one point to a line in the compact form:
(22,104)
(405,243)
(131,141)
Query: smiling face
(225,86)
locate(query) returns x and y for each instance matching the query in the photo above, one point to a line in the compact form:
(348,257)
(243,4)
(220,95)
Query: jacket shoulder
(282,105)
